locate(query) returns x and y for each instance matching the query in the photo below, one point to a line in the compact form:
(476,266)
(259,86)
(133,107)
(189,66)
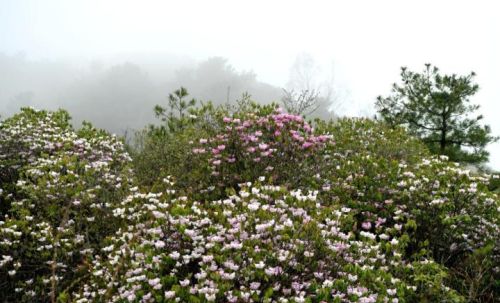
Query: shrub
(266,143)
(345,211)
(59,185)
(264,243)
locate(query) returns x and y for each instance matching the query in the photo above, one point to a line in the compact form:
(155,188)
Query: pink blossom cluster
(263,142)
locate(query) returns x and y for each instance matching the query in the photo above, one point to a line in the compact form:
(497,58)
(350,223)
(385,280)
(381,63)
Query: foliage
(263,243)
(263,142)
(57,189)
(243,204)
(437,109)
(165,149)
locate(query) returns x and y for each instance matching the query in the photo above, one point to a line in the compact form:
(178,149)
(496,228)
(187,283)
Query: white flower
(260,265)
(169,294)
(210,298)
(254,206)
(327,283)
(383,236)
(308,254)
(174,255)
(159,244)
(207,259)
(300,299)
(154,282)
(98,273)
(352,278)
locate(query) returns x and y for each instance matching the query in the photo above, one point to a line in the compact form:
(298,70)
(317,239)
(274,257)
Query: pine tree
(437,109)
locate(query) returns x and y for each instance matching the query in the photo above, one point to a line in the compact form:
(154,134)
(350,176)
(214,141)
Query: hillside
(239,204)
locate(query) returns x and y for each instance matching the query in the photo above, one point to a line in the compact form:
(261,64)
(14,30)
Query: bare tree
(304,102)
(306,94)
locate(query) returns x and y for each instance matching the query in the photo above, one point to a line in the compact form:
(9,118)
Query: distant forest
(119,96)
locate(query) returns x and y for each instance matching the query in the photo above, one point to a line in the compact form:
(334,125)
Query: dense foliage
(437,109)
(240,204)
(58,190)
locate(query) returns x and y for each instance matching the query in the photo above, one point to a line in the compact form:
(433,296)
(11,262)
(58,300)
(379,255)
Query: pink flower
(322,138)
(254,285)
(366,225)
(227,119)
(306,145)
(379,222)
(297,137)
(263,146)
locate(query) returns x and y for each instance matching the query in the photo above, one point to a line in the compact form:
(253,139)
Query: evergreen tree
(437,109)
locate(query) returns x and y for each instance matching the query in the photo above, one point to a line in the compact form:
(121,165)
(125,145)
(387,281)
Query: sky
(366,42)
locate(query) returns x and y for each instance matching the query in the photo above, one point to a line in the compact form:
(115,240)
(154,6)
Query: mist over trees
(119,96)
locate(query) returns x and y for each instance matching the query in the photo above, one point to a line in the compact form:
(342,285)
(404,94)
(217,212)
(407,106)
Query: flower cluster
(263,242)
(252,144)
(296,218)
(59,187)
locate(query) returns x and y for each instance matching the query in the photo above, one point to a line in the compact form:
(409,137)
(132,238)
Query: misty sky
(366,42)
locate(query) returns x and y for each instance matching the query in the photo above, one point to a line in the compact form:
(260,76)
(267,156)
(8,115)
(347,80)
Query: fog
(120,96)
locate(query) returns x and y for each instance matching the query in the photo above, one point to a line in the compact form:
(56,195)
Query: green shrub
(56,201)
(344,211)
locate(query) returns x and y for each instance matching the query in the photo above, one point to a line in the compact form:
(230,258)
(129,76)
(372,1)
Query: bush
(241,204)
(264,243)
(58,187)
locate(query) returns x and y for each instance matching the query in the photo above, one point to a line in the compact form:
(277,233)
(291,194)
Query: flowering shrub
(451,215)
(268,143)
(262,243)
(260,207)
(57,190)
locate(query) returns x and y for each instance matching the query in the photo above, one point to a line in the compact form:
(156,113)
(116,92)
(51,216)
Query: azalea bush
(267,143)
(240,204)
(262,243)
(58,186)
(451,214)
(222,146)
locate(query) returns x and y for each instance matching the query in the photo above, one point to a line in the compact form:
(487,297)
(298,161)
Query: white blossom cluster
(59,200)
